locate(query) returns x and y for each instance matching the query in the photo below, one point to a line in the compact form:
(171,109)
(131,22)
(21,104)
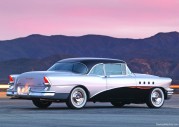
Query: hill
(154,55)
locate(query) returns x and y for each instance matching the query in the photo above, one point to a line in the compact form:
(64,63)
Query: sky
(116,18)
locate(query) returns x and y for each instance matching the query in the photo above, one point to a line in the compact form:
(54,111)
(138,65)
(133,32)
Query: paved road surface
(21,113)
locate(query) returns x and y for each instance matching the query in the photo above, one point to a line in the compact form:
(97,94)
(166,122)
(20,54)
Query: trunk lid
(35,79)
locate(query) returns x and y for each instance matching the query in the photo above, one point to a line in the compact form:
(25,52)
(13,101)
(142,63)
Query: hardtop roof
(92,59)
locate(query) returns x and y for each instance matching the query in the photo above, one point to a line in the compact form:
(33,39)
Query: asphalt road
(21,113)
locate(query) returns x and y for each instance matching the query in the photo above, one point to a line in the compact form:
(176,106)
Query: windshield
(79,68)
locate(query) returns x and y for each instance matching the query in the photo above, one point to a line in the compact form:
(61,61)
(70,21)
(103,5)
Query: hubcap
(78,97)
(157,97)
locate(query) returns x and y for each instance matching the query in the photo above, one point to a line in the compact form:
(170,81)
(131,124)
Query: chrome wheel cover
(78,97)
(157,97)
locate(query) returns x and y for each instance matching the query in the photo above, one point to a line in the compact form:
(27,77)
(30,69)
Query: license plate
(23,90)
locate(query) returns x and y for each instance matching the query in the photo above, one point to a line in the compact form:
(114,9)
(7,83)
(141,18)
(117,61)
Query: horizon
(115,18)
(91,35)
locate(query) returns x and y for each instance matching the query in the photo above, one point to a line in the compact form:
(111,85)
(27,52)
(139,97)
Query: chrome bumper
(31,94)
(38,94)
(169,93)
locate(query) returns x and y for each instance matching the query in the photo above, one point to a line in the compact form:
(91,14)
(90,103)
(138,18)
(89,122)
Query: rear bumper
(38,94)
(169,93)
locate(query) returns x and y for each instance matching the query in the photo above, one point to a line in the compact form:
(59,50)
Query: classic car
(78,80)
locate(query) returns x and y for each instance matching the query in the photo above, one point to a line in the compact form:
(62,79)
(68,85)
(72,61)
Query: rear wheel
(118,104)
(77,98)
(156,98)
(41,103)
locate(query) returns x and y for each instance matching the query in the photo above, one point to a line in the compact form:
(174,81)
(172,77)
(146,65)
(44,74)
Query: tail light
(46,81)
(11,80)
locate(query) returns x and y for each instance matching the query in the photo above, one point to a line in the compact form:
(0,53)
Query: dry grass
(3,88)
(3,95)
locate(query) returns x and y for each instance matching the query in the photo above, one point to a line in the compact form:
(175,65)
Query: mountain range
(156,55)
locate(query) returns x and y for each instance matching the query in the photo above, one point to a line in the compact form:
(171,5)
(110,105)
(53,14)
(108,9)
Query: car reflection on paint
(78,80)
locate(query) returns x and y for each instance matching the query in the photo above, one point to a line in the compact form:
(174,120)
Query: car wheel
(117,104)
(41,103)
(77,98)
(155,98)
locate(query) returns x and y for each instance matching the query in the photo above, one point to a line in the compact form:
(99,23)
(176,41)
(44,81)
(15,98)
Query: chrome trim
(104,70)
(170,91)
(9,93)
(32,93)
(42,94)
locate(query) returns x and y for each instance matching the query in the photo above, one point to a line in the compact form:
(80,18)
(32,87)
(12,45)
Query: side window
(115,69)
(97,70)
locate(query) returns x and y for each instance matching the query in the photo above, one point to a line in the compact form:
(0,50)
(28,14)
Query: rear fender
(14,77)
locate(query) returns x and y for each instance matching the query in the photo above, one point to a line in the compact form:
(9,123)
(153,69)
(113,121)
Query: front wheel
(118,104)
(41,103)
(77,98)
(156,98)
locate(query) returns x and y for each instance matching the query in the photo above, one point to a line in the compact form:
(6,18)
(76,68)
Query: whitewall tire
(77,98)
(156,98)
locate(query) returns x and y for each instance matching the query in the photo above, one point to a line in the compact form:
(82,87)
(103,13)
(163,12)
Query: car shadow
(86,108)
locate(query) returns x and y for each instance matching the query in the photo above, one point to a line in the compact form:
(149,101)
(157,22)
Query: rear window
(79,68)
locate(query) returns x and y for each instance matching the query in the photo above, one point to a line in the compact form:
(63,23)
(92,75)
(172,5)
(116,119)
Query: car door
(97,79)
(119,81)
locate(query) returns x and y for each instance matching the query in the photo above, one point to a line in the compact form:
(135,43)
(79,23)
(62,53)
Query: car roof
(92,60)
